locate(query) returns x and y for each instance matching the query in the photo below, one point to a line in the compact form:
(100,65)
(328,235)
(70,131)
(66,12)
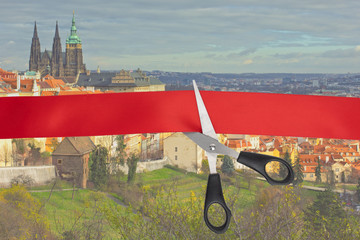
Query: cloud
(245,52)
(248,61)
(289,55)
(342,53)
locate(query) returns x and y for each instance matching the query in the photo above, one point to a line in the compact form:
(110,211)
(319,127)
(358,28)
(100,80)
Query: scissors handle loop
(258,163)
(214,195)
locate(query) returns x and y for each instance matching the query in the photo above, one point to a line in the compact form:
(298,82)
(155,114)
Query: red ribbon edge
(176,111)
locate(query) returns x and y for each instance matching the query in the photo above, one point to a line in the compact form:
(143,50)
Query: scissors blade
(212,157)
(205,142)
(206,125)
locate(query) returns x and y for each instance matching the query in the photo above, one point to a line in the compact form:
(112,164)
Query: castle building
(123,81)
(65,65)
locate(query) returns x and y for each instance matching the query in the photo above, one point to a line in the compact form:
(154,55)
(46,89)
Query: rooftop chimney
(18,83)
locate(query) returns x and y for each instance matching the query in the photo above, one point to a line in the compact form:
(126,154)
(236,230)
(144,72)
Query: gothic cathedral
(66,65)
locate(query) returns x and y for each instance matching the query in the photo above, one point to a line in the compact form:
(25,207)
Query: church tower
(35,52)
(57,65)
(74,59)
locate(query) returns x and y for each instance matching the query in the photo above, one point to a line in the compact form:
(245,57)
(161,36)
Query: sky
(227,36)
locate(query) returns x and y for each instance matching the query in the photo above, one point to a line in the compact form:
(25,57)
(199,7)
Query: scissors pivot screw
(212,147)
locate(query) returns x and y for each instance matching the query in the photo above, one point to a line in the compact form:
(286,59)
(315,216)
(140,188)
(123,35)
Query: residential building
(309,164)
(133,143)
(342,171)
(183,152)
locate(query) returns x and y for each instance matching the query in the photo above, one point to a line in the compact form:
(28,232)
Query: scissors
(208,141)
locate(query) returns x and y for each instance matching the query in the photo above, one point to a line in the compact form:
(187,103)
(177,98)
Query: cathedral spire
(73,27)
(35,35)
(57,65)
(35,55)
(57,30)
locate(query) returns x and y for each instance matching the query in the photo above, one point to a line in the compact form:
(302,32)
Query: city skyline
(227,36)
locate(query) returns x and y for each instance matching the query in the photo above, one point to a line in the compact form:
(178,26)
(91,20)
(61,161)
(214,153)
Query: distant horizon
(239,73)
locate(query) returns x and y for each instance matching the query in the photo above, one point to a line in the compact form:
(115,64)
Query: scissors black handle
(214,195)
(258,162)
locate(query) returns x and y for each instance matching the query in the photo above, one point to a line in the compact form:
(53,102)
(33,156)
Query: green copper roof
(30,73)
(73,38)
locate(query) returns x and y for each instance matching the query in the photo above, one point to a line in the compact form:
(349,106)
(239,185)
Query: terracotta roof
(48,93)
(43,84)
(61,93)
(26,85)
(319,148)
(6,74)
(310,162)
(309,159)
(12,82)
(306,146)
(337,156)
(6,90)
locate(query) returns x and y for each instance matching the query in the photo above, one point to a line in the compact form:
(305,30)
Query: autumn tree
(21,216)
(164,216)
(7,154)
(205,166)
(276,214)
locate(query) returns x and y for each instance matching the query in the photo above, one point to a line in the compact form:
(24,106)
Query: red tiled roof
(8,75)
(319,148)
(48,93)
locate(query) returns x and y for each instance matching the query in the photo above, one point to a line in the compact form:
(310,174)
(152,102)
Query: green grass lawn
(351,187)
(60,184)
(62,211)
(314,184)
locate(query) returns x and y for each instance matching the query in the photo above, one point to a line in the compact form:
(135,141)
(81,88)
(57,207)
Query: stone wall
(40,174)
(146,166)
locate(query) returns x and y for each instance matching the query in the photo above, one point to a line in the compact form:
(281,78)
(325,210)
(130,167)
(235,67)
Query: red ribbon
(176,111)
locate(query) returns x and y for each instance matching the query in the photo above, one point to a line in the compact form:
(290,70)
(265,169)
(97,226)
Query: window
(175,157)
(336,170)
(311,175)
(59,161)
(176,149)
